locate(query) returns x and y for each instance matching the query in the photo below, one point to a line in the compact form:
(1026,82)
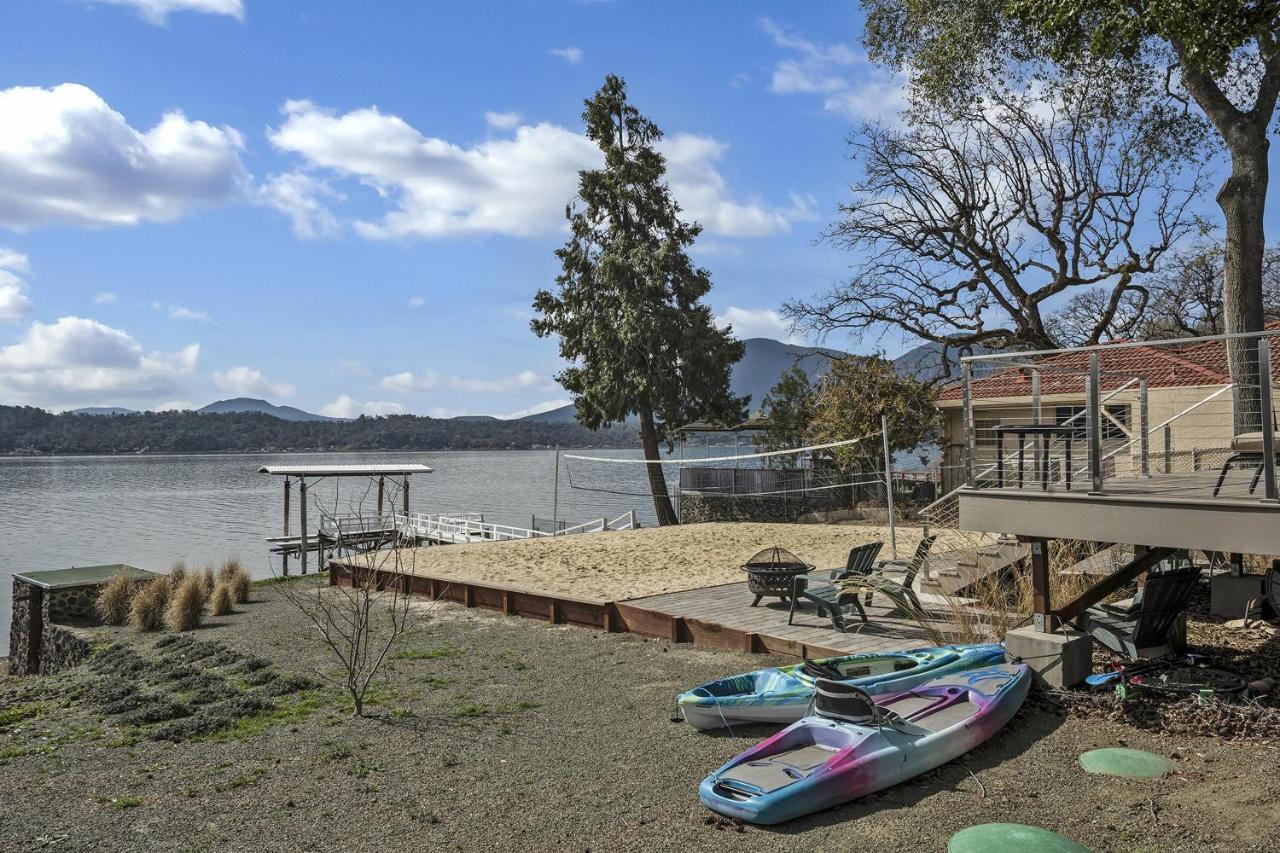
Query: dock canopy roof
(344,470)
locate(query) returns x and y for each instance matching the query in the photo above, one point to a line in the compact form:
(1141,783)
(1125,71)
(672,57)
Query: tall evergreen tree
(627,306)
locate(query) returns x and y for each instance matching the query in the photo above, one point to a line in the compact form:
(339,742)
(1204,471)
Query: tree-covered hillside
(24,429)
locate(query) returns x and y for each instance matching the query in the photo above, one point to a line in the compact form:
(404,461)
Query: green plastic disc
(1011,838)
(1130,763)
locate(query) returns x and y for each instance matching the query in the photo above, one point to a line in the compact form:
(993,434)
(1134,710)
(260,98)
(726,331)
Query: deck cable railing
(1160,417)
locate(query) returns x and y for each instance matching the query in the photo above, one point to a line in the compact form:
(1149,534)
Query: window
(1113,427)
(984,432)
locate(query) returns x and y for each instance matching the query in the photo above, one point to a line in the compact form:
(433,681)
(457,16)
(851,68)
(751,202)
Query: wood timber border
(626,616)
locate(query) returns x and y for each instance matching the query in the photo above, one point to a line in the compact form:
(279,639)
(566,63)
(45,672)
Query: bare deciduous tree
(363,617)
(967,225)
(1183,298)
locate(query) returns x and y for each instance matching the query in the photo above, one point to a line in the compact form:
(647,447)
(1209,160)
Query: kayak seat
(840,701)
(777,771)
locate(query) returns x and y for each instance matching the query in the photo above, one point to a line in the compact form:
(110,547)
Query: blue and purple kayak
(823,761)
(780,695)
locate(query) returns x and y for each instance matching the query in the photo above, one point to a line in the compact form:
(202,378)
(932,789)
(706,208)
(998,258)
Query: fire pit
(773,572)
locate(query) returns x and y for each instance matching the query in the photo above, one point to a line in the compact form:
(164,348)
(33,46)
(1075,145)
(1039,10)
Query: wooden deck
(1174,510)
(721,617)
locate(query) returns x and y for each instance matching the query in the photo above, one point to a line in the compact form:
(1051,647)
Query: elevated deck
(1174,510)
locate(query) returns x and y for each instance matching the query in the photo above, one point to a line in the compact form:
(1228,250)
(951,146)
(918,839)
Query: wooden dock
(717,617)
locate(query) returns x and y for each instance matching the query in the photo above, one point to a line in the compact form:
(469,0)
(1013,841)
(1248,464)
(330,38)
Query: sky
(348,207)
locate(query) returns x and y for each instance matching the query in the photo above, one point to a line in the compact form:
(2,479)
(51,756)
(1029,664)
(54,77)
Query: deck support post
(1144,442)
(302,511)
(1268,425)
(1041,600)
(1093,413)
(967,418)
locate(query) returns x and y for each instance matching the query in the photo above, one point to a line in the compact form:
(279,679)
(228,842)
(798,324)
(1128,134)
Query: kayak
(831,757)
(780,695)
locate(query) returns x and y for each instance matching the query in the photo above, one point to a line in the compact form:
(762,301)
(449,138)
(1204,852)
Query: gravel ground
(495,733)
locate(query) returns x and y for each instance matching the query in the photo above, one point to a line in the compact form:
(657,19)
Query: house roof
(1162,366)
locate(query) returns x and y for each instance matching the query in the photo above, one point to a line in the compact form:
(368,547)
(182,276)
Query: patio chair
(830,599)
(1246,448)
(1143,627)
(895,578)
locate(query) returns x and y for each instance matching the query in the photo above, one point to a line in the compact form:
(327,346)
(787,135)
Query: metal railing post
(1144,443)
(1093,414)
(967,417)
(1268,427)
(1036,416)
(1168,448)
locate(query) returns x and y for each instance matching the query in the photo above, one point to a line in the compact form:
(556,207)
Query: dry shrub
(240,583)
(146,611)
(177,574)
(1003,600)
(230,567)
(114,597)
(210,579)
(221,602)
(186,605)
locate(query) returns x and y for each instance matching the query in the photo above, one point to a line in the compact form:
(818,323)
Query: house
(1188,386)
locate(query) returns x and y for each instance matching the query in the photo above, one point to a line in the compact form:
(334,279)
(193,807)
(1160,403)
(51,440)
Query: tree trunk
(1242,199)
(657,479)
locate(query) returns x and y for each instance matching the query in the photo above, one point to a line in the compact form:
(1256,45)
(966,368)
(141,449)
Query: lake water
(149,511)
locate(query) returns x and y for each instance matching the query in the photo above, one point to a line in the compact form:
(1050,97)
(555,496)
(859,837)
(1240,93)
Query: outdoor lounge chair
(1143,627)
(830,598)
(895,577)
(1246,448)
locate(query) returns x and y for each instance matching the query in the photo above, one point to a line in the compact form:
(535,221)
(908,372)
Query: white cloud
(174,406)
(537,409)
(516,186)
(850,85)
(158,11)
(703,193)
(249,382)
(75,359)
(571,55)
(502,121)
(758,323)
(178,312)
(299,196)
(411,382)
(346,407)
(105,297)
(430,380)
(14,302)
(417,301)
(67,157)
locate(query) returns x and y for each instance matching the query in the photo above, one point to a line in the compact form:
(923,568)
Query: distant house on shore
(1181,383)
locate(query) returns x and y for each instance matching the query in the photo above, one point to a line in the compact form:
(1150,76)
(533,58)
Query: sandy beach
(632,563)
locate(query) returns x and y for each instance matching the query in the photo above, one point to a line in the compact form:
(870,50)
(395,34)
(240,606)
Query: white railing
(471,527)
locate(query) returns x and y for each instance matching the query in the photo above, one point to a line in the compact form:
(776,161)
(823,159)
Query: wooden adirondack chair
(895,577)
(830,598)
(1143,627)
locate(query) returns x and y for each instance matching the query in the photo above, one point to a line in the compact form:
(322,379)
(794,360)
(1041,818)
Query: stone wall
(59,645)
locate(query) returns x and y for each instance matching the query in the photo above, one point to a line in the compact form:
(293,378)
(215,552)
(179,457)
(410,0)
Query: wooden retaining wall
(611,616)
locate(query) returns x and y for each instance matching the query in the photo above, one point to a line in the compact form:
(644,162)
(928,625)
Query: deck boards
(728,608)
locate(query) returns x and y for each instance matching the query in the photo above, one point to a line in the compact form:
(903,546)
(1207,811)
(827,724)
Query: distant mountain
(102,410)
(239,405)
(762,365)
(474,419)
(765,360)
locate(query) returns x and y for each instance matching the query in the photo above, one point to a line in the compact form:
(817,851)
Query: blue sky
(347,207)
